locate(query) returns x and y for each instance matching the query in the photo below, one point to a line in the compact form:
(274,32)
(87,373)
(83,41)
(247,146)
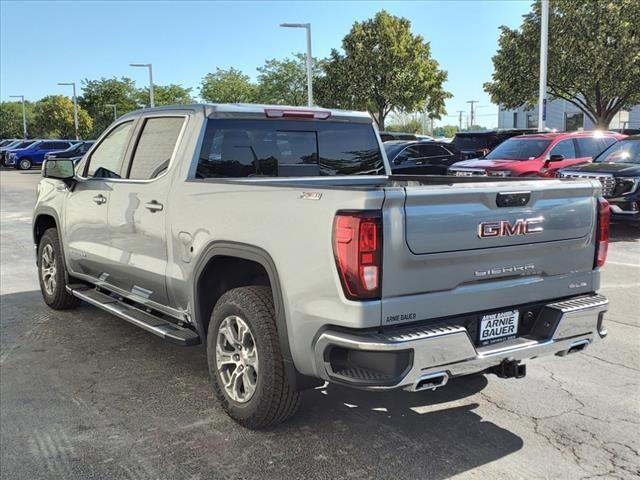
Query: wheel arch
(251,263)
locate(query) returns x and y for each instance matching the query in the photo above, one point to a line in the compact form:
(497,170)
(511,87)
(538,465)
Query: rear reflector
(297,113)
(602,234)
(357,247)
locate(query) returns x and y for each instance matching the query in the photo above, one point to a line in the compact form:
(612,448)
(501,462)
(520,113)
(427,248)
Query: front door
(86,206)
(137,213)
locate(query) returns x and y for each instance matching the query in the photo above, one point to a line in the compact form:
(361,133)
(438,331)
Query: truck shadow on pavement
(113,391)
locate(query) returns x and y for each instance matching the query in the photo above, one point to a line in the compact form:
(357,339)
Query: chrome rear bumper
(441,353)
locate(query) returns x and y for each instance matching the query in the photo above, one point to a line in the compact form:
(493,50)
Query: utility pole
(544,45)
(460,112)
(307,26)
(24,115)
(472,118)
(75,106)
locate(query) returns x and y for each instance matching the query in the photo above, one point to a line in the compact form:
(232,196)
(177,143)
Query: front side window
(106,160)
(564,148)
(287,148)
(155,147)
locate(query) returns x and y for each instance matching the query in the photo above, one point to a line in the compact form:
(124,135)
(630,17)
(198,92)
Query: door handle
(100,199)
(154,206)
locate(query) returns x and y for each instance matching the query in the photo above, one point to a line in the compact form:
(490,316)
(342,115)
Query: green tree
(165,95)
(593,62)
(11,119)
(284,82)
(53,118)
(412,126)
(97,94)
(447,131)
(227,86)
(384,67)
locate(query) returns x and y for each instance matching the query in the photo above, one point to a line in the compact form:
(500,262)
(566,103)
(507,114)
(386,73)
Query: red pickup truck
(537,155)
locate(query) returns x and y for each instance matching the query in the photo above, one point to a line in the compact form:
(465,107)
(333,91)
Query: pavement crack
(609,362)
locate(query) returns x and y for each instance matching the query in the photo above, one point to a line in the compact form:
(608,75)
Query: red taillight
(296,113)
(357,247)
(602,239)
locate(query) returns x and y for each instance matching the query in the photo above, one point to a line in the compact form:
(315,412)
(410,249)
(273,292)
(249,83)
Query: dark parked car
(75,152)
(618,169)
(387,136)
(477,144)
(420,157)
(33,155)
(16,144)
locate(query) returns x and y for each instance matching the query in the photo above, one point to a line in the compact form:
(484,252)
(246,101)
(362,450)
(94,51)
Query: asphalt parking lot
(84,395)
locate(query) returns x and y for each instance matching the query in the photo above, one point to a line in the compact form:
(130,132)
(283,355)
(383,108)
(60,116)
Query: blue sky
(42,43)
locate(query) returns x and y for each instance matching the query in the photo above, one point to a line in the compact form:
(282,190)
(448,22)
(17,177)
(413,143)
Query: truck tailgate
(452,249)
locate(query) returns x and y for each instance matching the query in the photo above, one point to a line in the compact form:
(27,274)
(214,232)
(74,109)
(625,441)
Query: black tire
(54,295)
(274,400)
(24,164)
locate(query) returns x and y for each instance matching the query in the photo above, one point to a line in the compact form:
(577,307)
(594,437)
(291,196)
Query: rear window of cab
(239,148)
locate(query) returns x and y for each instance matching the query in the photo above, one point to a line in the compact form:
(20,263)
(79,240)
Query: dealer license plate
(497,327)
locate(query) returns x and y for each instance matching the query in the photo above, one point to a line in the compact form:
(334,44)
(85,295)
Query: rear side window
(106,159)
(288,148)
(591,146)
(155,147)
(432,151)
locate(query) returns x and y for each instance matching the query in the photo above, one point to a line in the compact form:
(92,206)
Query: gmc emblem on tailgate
(505,228)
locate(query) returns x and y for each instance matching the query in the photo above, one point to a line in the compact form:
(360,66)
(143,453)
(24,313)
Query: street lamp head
(295,25)
(139,64)
(66,83)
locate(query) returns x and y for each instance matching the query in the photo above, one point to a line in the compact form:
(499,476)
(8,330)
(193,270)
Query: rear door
(86,230)
(451,249)
(138,208)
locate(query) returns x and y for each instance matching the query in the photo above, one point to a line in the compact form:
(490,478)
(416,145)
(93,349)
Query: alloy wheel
(48,269)
(237,359)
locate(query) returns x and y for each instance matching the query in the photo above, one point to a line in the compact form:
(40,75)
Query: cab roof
(251,110)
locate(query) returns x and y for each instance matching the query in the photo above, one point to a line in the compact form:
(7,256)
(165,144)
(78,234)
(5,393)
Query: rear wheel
(24,164)
(52,273)
(245,361)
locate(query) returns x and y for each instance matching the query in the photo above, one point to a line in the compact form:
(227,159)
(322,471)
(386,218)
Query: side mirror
(61,169)
(482,152)
(556,158)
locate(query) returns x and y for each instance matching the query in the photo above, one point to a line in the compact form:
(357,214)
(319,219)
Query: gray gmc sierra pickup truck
(277,237)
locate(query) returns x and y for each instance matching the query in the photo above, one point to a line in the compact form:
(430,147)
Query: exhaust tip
(431,381)
(578,346)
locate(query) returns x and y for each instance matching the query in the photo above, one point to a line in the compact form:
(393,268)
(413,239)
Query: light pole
(24,115)
(152,102)
(115,110)
(75,106)
(544,46)
(307,26)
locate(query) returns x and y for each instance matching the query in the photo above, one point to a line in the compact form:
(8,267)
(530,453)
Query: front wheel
(24,164)
(245,361)
(52,273)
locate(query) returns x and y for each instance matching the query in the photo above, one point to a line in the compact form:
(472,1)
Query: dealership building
(563,116)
